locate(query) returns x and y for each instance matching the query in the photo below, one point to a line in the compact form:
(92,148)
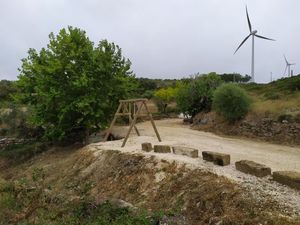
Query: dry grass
(202,197)
(277,98)
(285,104)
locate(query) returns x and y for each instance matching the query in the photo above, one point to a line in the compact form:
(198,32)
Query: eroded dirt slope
(192,195)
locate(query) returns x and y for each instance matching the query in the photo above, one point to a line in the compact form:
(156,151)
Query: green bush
(271,96)
(18,153)
(148,94)
(163,97)
(15,121)
(231,102)
(196,96)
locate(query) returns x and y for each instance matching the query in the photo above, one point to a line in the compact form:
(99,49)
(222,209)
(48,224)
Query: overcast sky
(162,38)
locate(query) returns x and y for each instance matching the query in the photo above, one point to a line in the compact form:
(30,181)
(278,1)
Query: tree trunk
(87,136)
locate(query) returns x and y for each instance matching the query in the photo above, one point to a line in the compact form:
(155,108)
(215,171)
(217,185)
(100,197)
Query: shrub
(197,95)
(148,94)
(231,102)
(163,97)
(271,96)
(18,153)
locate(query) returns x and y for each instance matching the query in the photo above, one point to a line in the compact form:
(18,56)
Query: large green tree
(73,85)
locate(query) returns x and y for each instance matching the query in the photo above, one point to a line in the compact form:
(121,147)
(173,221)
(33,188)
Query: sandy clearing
(173,132)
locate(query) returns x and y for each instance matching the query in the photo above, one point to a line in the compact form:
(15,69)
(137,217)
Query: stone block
(147,147)
(162,148)
(289,178)
(191,152)
(253,168)
(217,158)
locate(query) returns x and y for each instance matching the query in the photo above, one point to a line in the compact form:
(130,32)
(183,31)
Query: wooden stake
(125,109)
(152,122)
(132,124)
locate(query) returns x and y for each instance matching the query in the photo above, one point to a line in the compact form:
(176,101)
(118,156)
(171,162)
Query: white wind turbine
(288,66)
(253,33)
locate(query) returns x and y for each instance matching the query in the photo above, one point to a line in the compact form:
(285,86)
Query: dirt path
(173,132)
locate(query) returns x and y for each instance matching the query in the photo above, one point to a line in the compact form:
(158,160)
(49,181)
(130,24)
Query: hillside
(105,184)
(274,115)
(278,98)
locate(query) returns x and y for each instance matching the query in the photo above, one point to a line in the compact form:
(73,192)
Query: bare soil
(186,195)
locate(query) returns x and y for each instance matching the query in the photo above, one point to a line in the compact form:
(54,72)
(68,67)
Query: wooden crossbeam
(128,108)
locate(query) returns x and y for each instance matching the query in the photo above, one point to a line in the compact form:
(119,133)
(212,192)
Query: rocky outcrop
(267,129)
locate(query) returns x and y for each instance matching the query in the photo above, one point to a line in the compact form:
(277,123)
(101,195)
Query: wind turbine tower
(288,66)
(253,34)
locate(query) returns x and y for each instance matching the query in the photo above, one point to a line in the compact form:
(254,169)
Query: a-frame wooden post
(125,109)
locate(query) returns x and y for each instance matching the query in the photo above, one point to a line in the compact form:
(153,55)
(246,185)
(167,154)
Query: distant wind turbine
(253,33)
(288,66)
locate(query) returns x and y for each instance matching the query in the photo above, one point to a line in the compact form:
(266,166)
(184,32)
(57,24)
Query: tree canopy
(74,85)
(235,77)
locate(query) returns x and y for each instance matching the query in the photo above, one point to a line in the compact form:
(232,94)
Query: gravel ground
(172,131)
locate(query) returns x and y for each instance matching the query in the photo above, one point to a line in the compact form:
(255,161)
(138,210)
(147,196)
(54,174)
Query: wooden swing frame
(128,108)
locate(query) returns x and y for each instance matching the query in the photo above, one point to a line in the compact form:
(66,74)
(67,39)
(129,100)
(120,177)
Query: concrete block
(289,178)
(217,158)
(162,148)
(191,152)
(253,168)
(147,147)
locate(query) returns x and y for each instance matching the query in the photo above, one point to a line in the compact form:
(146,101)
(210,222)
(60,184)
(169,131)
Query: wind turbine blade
(285,70)
(249,23)
(285,60)
(292,64)
(270,39)
(242,43)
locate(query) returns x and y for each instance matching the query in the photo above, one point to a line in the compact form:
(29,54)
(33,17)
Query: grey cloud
(170,38)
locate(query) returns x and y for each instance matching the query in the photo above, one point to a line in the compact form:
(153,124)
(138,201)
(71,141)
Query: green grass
(17,153)
(276,98)
(284,85)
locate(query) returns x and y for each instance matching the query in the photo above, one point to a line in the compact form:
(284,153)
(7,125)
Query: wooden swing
(132,107)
